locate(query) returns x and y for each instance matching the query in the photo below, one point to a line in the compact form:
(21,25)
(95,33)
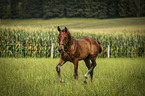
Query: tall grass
(34,37)
(38,77)
(37,43)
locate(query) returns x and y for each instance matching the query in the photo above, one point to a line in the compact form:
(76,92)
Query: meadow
(90,25)
(38,77)
(35,76)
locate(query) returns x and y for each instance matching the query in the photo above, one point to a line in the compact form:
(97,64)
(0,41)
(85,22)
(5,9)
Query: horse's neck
(73,49)
(72,44)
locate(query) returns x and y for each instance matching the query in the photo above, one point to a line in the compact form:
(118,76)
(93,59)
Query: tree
(71,8)
(132,8)
(112,8)
(5,11)
(13,8)
(52,9)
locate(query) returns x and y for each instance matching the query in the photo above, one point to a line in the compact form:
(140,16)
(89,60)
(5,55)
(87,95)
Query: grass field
(38,77)
(97,26)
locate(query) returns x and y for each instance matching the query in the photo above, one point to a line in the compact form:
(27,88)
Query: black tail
(100,47)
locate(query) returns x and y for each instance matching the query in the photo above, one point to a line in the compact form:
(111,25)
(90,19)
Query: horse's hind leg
(93,65)
(88,64)
(90,71)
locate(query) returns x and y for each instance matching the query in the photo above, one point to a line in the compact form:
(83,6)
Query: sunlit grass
(38,77)
(97,26)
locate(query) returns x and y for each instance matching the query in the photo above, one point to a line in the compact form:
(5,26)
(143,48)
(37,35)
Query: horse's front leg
(61,62)
(76,69)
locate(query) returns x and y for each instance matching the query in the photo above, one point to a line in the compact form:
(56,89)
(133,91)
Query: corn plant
(22,43)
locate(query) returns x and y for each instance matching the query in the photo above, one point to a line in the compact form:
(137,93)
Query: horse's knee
(58,68)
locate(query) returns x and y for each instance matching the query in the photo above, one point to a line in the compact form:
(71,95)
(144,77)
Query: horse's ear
(58,29)
(66,29)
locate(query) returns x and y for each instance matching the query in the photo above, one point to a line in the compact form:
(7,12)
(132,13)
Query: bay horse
(73,50)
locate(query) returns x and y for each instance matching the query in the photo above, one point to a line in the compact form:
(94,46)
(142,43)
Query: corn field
(28,43)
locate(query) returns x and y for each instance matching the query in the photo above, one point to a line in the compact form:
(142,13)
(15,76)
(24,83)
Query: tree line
(46,9)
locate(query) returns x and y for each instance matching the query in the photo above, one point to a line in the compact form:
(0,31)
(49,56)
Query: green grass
(76,22)
(38,77)
(90,25)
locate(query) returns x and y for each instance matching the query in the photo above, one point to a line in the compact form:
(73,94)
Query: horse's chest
(66,57)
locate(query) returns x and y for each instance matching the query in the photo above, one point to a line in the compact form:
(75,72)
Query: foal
(73,50)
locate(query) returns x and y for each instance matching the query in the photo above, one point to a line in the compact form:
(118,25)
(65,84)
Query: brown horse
(73,50)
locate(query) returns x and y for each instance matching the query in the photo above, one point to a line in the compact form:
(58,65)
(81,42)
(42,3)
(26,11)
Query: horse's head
(63,39)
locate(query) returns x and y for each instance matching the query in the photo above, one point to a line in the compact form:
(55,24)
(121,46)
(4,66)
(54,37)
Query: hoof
(85,82)
(76,77)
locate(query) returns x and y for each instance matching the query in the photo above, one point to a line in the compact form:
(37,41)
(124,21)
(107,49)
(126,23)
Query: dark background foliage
(71,8)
